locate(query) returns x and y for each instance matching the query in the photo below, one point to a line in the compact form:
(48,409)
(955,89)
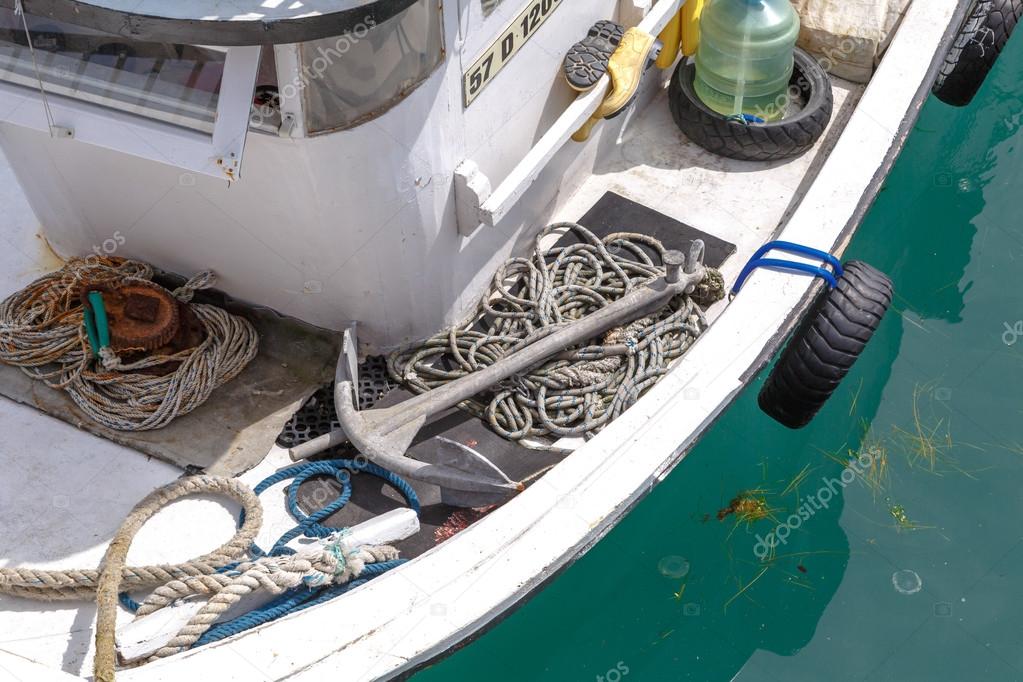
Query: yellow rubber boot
(625,68)
(690,26)
(671,36)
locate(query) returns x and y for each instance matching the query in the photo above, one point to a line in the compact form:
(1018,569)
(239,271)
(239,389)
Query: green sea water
(914,570)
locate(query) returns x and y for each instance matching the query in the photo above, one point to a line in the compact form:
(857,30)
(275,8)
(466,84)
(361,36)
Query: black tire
(827,343)
(980,40)
(756,141)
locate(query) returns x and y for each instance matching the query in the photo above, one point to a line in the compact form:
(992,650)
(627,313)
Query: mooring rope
(114,575)
(292,602)
(583,389)
(301,579)
(298,577)
(42,332)
(53,585)
(311,570)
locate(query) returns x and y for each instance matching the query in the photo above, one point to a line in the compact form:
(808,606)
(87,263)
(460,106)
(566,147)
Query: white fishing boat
(359,175)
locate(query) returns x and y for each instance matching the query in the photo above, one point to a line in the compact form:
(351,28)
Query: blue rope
(309,525)
(290,602)
(745,119)
(341,470)
(127,602)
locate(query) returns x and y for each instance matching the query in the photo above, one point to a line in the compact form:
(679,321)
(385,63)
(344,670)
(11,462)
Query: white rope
(42,331)
(75,584)
(330,563)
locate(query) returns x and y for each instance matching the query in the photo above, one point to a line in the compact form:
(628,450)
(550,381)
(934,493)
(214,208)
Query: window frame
(218,154)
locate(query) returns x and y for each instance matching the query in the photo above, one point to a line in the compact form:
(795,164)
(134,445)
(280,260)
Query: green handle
(97,327)
(90,331)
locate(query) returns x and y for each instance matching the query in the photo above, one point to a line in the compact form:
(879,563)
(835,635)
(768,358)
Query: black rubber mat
(371,496)
(615,213)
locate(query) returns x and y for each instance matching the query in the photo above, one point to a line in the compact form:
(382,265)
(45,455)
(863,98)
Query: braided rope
(276,575)
(292,602)
(340,470)
(113,574)
(112,569)
(282,570)
(42,331)
(53,585)
(583,389)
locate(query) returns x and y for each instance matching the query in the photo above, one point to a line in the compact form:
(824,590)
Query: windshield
(355,77)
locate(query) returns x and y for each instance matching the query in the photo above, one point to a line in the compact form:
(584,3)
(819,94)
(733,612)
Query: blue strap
(758,261)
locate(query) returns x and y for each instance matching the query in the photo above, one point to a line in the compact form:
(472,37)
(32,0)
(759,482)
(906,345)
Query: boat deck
(64,491)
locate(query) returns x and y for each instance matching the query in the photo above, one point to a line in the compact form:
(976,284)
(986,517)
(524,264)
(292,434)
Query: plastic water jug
(744,61)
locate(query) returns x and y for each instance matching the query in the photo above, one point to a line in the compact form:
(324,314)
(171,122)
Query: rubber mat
(614,213)
(372,496)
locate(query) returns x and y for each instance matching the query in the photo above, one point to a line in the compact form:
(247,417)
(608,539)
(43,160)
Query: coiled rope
(340,470)
(113,574)
(42,331)
(583,389)
(300,578)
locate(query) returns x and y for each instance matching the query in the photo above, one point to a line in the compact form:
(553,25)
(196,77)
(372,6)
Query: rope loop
(203,280)
(310,525)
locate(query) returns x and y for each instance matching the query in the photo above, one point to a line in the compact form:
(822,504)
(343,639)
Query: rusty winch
(140,319)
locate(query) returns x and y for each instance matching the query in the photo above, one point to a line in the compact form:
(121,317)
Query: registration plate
(507,45)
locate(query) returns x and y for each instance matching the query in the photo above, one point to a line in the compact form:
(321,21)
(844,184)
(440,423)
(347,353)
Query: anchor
(383,435)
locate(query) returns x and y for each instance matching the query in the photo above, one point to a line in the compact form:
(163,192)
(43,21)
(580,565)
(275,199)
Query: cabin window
(358,76)
(186,105)
(177,84)
(265,114)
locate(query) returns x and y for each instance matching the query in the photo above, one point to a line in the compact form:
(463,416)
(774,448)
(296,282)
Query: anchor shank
(634,305)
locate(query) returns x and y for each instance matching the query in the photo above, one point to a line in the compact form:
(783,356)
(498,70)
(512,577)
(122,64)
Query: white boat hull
(421,610)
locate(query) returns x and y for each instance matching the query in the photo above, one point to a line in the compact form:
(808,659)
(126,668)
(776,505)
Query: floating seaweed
(796,481)
(748,507)
(902,520)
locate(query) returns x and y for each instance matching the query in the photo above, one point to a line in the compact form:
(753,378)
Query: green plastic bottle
(745,58)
